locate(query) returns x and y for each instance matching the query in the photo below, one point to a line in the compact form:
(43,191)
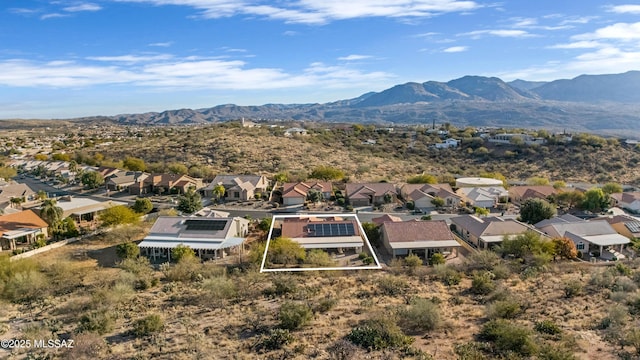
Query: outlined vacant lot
(323,241)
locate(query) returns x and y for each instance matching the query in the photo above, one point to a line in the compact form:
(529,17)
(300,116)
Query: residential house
(330,233)
(125,180)
(422,195)
(295,131)
(385,218)
(517,138)
(84,210)
(625,225)
(210,238)
(107,172)
(15,190)
(239,187)
(168,183)
(296,193)
(518,194)
(628,200)
(421,237)
(448,143)
(22,228)
(488,231)
(484,197)
(367,194)
(589,236)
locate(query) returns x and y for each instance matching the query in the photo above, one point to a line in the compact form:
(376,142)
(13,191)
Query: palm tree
(50,212)
(218,191)
(16,201)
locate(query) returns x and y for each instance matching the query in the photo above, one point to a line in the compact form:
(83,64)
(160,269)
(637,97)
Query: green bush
(547,327)
(293,316)
(148,326)
(379,333)
(504,309)
(482,283)
(413,261)
(421,315)
(127,250)
(472,351)
(99,322)
(437,259)
(508,337)
(572,288)
(277,339)
(325,304)
(220,288)
(448,275)
(482,260)
(283,285)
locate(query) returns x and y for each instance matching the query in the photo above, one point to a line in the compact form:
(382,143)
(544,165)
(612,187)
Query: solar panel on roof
(323,230)
(205,225)
(633,226)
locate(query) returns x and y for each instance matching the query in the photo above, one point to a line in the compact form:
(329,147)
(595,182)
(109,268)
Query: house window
(236,194)
(580,246)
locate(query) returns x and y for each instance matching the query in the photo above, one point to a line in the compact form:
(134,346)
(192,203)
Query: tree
(326,173)
(570,198)
(190,202)
(134,164)
(50,212)
(595,200)
(218,191)
(42,195)
(7,172)
(285,251)
(533,211)
(92,179)
(182,253)
(559,184)
(315,196)
(16,201)
(611,188)
(177,168)
(526,246)
(65,228)
(265,224)
(565,248)
(142,206)
(437,202)
(480,211)
(422,179)
(118,215)
(373,233)
(127,250)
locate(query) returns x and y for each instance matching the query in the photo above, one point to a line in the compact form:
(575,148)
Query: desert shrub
(87,346)
(220,288)
(624,284)
(325,304)
(421,315)
(392,286)
(603,279)
(472,351)
(283,285)
(437,259)
(501,271)
(572,288)
(508,337)
(547,327)
(149,325)
(413,261)
(127,250)
(182,252)
(379,333)
(503,309)
(318,257)
(293,316)
(482,283)
(554,351)
(276,339)
(185,270)
(285,251)
(482,260)
(448,275)
(623,269)
(342,350)
(632,338)
(99,322)
(634,305)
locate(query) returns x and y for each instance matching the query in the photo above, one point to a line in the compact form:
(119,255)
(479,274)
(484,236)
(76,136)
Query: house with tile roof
(484,197)
(296,193)
(588,235)
(422,195)
(423,238)
(239,187)
(333,233)
(21,229)
(628,200)
(209,238)
(385,218)
(518,194)
(488,231)
(624,224)
(125,180)
(167,183)
(368,194)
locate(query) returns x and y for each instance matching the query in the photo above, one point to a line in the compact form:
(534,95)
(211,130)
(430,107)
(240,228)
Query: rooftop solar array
(633,226)
(205,225)
(323,230)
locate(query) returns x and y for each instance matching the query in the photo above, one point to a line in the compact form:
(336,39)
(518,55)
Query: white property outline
(362,232)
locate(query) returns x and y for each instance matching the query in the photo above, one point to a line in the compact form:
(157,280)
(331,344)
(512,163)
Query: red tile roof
(406,231)
(27,219)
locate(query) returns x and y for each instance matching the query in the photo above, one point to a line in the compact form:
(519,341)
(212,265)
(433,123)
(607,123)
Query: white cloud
(177,74)
(354,57)
(83,7)
(578,45)
(625,9)
(162,44)
(455,49)
(321,11)
(52,16)
(619,31)
(498,32)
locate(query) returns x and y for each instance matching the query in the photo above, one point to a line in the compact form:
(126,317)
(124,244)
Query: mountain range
(608,104)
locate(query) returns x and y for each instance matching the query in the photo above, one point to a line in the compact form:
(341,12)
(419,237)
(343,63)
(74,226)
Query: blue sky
(67,58)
